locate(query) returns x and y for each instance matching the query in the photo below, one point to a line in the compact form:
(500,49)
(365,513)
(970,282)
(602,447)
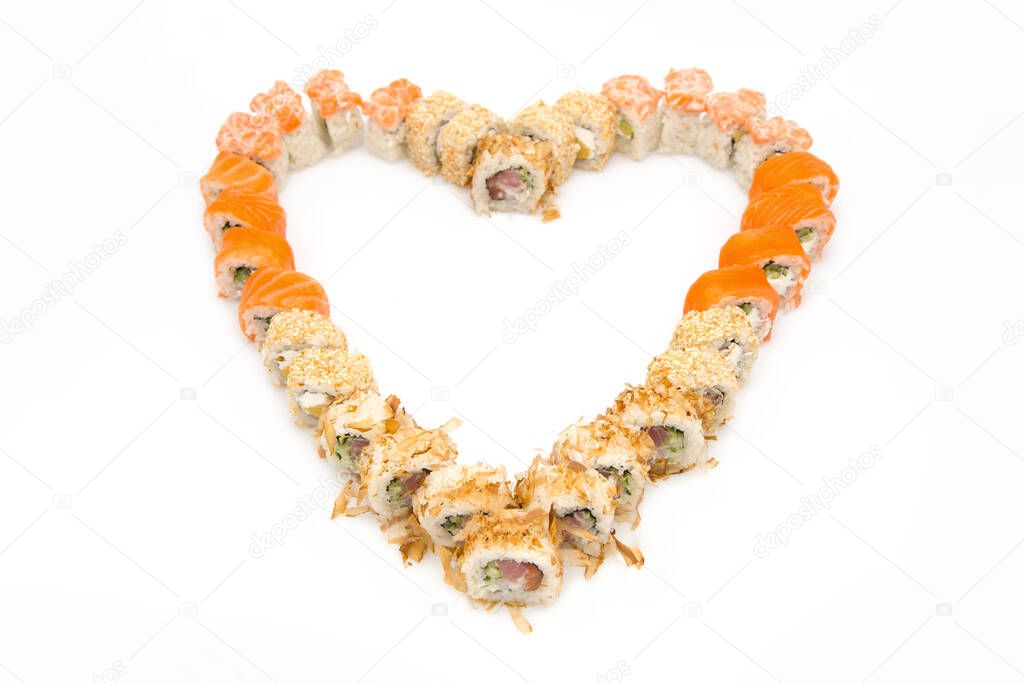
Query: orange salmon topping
(687,89)
(250,135)
(388,106)
(632,93)
(281,103)
(733,109)
(330,94)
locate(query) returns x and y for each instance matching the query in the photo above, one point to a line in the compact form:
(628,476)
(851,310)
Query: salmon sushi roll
(766,138)
(453,495)
(548,124)
(776,250)
(386,111)
(319,376)
(745,287)
(638,129)
(702,377)
(335,110)
(243,251)
(593,118)
(231,171)
(397,464)
(302,139)
(672,423)
(458,141)
(257,138)
(682,112)
(510,173)
(290,332)
(727,117)
(726,330)
(423,126)
(347,427)
(798,207)
(581,499)
(236,208)
(795,168)
(269,291)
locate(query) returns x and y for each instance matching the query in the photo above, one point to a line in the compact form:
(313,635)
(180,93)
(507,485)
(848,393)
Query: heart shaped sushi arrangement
(502,542)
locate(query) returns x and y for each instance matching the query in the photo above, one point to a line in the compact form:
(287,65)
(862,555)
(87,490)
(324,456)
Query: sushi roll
(775,249)
(682,112)
(243,251)
(727,116)
(766,138)
(582,500)
(700,375)
(743,287)
(451,496)
(672,423)
(619,453)
(290,332)
(593,118)
(795,168)
(335,110)
(269,291)
(510,173)
(726,330)
(386,111)
(398,464)
(302,139)
(257,138)
(798,207)
(541,122)
(347,427)
(422,126)
(316,377)
(238,208)
(458,141)
(510,558)
(231,171)
(638,129)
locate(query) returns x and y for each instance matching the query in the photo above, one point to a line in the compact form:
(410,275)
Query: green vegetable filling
(242,274)
(674,440)
(343,453)
(454,523)
(586,517)
(527,178)
(491,572)
(805,234)
(747,308)
(396,491)
(774,270)
(626,128)
(625,478)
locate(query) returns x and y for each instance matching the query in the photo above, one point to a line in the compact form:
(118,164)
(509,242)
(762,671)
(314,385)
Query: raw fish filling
(669,442)
(347,450)
(401,488)
(512,575)
(624,479)
(512,183)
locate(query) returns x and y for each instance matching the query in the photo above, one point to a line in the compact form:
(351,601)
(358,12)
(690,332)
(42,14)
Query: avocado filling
(242,274)
(347,449)
(626,128)
(747,307)
(774,270)
(805,235)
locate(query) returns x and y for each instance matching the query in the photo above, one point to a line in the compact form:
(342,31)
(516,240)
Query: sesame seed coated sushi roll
(593,118)
(237,208)
(269,291)
(231,171)
(728,113)
(582,501)
(458,141)
(686,92)
(290,332)
(422,126)
(778,251)
(800,208)
(726,330)
(767,138)
(386,111)
(243,251)
(510,173)
(451,496)
(316,377)
(701,375)
(617,452)
(347,427)
(335,110)
(257,138)
(397,465)
(745,287)
(541,122)
(302,139)
(638,129)
(510,557)
(795,168)
(672,423)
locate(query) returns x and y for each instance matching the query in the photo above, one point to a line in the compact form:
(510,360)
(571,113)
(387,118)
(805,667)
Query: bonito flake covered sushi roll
(638,129)
(593,118)
(243,251)
(510,557)
(701,376)
(451,496)
(319,376)
(766,138)
(302,139)
(672,423)
(238,208)
(398,463)
(348,426)
(257,138)
(776,250)
(686,92)
(335,110)
(727,115)
(386,111)
(291,332)
(726,330)
(582,500)
(422,126)
(541,122)
(458,141)
(511,173)
(620,453)
(745,287)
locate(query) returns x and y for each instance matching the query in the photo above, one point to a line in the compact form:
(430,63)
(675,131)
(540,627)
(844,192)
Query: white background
(128,512)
